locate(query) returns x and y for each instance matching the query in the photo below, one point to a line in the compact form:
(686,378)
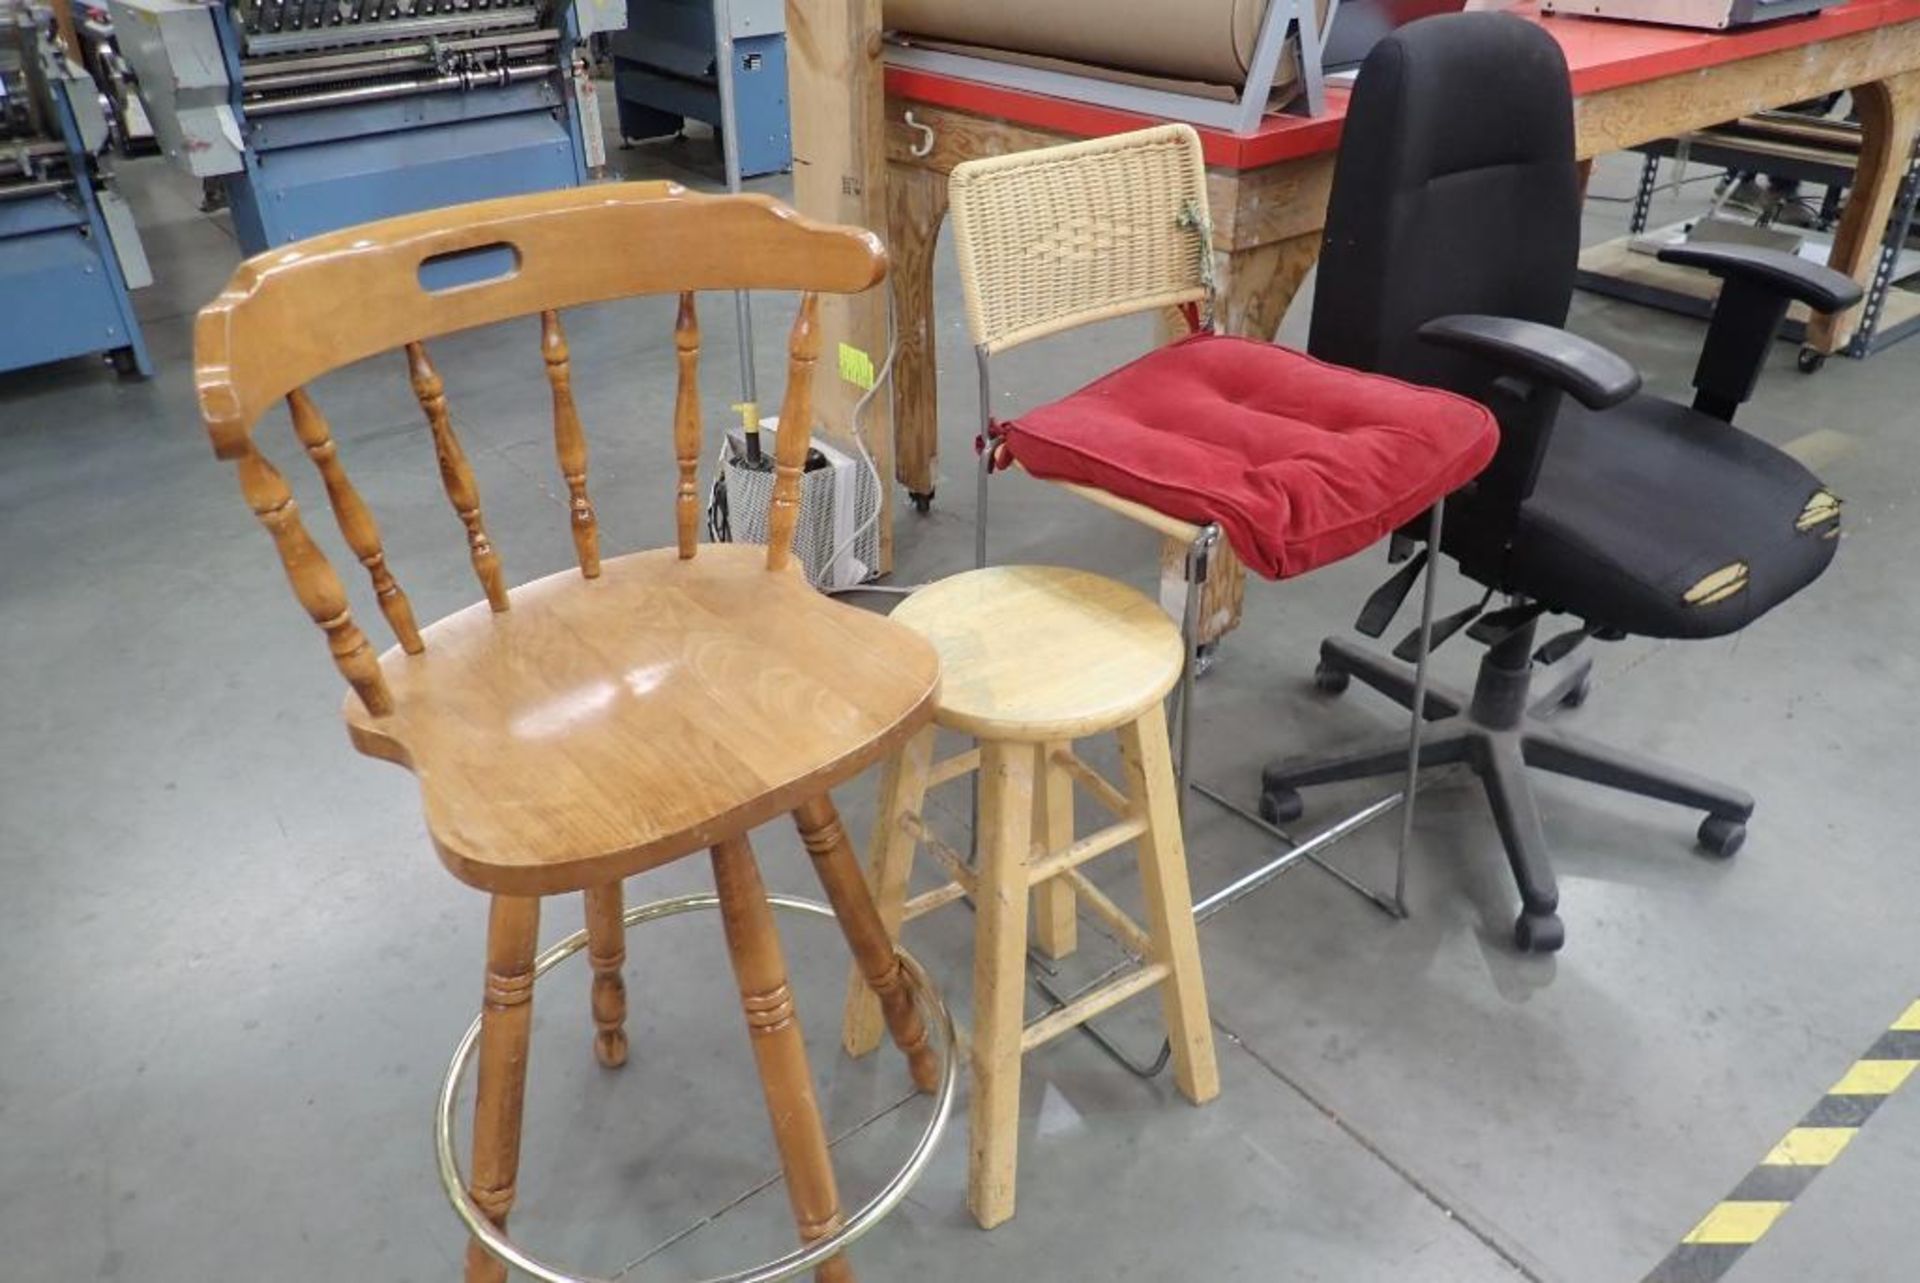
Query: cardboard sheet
(1202,40)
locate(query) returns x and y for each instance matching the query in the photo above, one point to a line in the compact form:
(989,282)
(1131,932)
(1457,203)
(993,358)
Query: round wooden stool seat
(1043,653)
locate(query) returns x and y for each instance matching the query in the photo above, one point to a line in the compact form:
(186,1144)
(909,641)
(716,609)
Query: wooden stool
(600,722)
(1032,659)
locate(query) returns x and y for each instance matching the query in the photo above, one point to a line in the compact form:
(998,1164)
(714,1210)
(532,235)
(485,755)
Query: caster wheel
(1811,361)
(124,363)
(1578,695)
(1329,680)
(1281,806)
(1205,656)
(1721,837)
(922,503)
(1539,933)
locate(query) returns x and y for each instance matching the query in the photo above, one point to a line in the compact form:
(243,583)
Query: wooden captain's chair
(591,725)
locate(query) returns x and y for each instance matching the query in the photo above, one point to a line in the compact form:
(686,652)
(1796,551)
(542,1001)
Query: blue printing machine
(321,114)
(667,68)
(68,248)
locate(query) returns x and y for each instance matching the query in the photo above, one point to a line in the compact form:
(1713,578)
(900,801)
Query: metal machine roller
(319,114)
(68,248)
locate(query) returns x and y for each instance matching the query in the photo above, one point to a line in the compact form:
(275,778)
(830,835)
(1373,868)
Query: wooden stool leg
(607,952)
(1055,915)
(513,928)
(1163,877)
(778,1048)
(867,935)
(999,977)
(903,790)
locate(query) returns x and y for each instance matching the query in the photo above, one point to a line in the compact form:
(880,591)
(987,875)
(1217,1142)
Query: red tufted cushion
(1302,463)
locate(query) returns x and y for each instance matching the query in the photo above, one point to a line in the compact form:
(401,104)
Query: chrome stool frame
(794,1263)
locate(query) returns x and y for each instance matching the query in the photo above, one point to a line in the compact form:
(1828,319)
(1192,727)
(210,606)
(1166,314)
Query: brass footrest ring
(796,1262)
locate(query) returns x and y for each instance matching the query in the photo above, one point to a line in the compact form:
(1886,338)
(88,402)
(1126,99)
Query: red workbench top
(1602,54)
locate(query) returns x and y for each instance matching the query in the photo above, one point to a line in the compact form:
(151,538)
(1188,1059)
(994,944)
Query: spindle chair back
(290,316)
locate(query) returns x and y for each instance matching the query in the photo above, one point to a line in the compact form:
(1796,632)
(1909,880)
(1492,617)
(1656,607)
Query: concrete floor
(238,969)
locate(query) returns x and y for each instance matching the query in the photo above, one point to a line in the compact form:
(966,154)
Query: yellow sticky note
(856,367)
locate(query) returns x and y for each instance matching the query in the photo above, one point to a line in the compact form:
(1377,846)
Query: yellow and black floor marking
(1744,1216)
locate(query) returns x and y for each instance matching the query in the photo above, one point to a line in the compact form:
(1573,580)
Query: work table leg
(916,206)
(1889,113)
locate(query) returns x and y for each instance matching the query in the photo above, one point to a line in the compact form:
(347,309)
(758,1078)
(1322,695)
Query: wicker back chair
(1055,239)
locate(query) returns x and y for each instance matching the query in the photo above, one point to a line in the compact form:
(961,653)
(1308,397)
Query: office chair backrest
(1064,236)
(1455,191)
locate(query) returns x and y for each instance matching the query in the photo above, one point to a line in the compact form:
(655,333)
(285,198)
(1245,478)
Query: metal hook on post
(924,148)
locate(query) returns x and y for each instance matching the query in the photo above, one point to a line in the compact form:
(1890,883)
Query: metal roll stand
(1240,115)
(794,1263)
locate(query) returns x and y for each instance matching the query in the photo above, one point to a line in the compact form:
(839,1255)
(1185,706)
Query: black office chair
(1449,260)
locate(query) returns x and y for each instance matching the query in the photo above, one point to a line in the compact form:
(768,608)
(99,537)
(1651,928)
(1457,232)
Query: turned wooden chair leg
(1056,925)
(753,943)
(999,977)
(1169,901)
(903,791)
(513,929)
(607,952)
(867,935)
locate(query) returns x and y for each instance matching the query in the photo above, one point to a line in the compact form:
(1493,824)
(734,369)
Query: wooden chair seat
(605,726)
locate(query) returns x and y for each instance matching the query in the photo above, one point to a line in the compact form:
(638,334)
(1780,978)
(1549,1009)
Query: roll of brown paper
(1208,40)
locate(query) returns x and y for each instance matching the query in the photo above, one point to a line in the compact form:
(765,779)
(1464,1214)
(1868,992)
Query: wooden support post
(69,34)
(917,203)
(1889,112)
(837,88)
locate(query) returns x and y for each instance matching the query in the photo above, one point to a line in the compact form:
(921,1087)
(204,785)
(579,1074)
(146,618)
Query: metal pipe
(986,458)
(1429,592)
(20,191)
(1199,561)
(1307,850)
(334,75)
(15,152)
(399,89)
(730,156)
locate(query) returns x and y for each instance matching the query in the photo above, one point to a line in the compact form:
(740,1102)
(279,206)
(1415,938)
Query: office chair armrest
(1591,374)
(1778,272)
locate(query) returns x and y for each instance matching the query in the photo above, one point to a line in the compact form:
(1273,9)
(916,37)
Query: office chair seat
(1620,530)
(1301,462)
